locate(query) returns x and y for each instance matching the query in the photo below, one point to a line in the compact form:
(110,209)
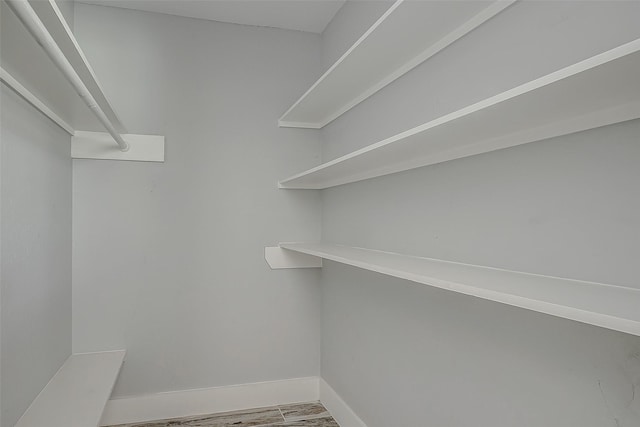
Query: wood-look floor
(311,414)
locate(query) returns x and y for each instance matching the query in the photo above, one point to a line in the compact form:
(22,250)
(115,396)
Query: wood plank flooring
(311,414)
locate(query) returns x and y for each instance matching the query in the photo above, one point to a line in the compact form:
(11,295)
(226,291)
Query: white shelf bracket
(279,258)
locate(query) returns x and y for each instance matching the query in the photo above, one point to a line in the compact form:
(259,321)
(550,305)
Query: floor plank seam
(311,414)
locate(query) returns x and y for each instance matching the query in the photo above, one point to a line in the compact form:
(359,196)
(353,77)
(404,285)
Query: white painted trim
(99,145)
(14,84)
(457,33)
(279,258)
(210,400)
(337,407)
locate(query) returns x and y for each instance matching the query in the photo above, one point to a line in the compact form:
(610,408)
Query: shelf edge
(469,25)
(564,127)
(567,312)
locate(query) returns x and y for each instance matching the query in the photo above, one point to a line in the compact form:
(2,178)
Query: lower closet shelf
(78,393)
(608,306)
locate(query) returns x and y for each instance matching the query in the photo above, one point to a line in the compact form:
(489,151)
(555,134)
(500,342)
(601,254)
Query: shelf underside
(596,92)
(612,307)
(407,34)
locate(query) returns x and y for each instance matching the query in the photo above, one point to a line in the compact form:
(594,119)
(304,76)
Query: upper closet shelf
(598,91)
(407,34)
(608,306)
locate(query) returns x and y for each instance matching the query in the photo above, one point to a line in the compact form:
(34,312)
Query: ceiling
(303,15)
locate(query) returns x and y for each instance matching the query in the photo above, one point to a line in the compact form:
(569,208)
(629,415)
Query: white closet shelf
(596,92)
(77,395)
(607,306)
(406,35)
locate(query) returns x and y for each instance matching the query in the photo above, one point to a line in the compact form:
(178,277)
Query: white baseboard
(210,401)
(340,411)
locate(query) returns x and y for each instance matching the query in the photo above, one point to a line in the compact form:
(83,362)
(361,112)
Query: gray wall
(404,354)
(35,226)
(348,25)
(168,258)
(36,253)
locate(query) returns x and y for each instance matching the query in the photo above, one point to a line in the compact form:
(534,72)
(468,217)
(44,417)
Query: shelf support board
(99,145)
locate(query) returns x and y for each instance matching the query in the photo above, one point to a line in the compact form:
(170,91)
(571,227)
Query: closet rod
(11,82)
(32,22)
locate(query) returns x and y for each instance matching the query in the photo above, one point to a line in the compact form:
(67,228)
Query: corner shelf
(596,92)
(607,306)
(406,35)
(78,393)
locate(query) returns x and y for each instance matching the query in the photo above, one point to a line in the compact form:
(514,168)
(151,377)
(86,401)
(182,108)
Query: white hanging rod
(10,81)
(32,22)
